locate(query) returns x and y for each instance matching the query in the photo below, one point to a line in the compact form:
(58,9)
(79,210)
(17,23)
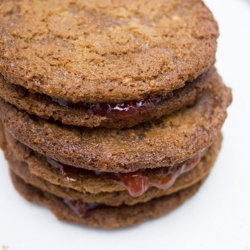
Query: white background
(217,218)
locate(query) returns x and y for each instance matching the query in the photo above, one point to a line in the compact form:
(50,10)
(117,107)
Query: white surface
(218,217)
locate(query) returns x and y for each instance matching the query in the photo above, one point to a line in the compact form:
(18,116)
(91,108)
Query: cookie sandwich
(111,111)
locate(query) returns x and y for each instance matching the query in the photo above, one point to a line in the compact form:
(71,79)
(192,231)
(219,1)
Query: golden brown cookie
(105,51)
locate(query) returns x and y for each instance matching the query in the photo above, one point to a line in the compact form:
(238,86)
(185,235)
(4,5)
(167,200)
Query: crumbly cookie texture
(105,51)
(170,140)
(107,217)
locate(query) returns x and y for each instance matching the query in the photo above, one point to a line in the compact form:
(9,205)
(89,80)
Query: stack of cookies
(111,111)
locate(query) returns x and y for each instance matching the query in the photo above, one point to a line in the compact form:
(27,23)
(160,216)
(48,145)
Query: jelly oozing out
(123,111)
(166,177)
(136,182)
(80,208)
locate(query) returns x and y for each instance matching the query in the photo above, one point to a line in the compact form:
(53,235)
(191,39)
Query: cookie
(111,197)
(94,51)
(80,114)
(106,216)
(172,139)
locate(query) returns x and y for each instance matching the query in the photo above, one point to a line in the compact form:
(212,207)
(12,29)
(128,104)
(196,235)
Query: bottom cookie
(106,216)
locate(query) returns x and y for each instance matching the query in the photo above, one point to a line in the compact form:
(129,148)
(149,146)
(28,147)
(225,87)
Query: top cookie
(105,51)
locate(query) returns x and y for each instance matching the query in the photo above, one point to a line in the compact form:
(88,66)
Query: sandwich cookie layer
(103,216)
(113,198)
(101,188)
(109,115)
(166,142)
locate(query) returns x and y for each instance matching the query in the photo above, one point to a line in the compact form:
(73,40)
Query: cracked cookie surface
(105,51)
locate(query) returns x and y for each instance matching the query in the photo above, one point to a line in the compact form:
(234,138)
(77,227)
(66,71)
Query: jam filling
(124,111)
(80,208)
(136,183)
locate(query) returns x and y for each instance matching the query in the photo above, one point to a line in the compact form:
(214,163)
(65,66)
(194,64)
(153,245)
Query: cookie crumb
(5,247)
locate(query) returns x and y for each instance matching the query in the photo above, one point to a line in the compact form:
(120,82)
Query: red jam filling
(123,111)
(80,208)
(136,182)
